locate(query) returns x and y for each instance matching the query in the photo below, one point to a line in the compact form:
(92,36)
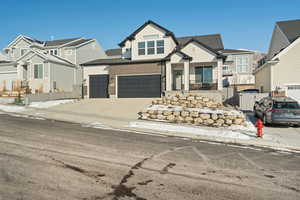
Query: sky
(242,24)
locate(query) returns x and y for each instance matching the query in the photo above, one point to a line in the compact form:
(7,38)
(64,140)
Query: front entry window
(38,71)
(203,74)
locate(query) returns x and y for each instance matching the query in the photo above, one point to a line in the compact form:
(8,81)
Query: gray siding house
(46,66)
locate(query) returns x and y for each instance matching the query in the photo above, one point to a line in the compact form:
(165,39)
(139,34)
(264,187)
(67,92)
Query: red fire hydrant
(259,125)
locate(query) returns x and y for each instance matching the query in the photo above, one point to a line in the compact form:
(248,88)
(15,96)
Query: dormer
(150,41)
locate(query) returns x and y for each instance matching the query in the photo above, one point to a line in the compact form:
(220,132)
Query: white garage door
(6,79)
(293,91)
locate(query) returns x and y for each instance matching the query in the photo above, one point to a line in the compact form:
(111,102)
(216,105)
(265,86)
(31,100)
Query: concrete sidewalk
(118,113)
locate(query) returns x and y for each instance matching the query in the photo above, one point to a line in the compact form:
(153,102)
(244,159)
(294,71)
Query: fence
(246,101)
(75,94)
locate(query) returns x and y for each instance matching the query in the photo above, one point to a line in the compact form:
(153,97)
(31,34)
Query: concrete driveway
(113,112)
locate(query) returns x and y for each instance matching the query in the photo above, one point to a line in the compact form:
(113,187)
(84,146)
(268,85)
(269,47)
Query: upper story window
(38,71)
(242,63)
(160,46)
(141,48)
(23,51)
(150,47)
(225,68)
(53,52)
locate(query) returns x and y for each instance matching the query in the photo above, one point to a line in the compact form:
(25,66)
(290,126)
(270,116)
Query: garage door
(141,86)
(6,79)
(98,85)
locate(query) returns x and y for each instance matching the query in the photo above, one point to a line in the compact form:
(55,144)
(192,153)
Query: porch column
(186,75)
(168,76)
(20,71)
(220,74)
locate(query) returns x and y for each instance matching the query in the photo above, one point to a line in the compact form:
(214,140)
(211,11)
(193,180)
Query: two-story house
(154,61)
(238,69)
(280,69)
(46,66)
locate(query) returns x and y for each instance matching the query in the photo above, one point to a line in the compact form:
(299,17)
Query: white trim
(43,78)
(8,72)
(284,51)
(17,39)
(85,43)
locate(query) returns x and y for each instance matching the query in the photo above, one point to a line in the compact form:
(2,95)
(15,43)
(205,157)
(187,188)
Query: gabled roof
(132,35)
(33,40)
(48,57)
(290,28)
(213,41)
(114,52)
(184,56)
(219,55)
(59,42)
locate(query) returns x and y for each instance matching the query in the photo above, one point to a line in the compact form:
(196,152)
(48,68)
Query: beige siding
(18,46)
(287,71)
(263,79)
(150,30)
(198,53)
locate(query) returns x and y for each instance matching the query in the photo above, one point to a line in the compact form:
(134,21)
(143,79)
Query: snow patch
(193,130)
(7,100)
(10,108)
(49,104)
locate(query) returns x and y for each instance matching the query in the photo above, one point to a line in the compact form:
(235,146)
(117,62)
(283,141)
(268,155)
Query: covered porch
(193,76)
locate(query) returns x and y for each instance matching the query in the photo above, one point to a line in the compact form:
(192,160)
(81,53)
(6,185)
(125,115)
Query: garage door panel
(141,86)
(98,85)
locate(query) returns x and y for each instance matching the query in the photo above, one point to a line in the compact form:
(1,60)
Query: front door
(177,80)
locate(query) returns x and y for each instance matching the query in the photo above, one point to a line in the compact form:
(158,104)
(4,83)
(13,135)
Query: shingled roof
(59,42)
(290,28)
(213,41)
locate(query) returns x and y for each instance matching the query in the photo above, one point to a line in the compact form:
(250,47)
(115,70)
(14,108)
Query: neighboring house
(154,61)
(281,67)
(46,66)
(238,68)
(114,53)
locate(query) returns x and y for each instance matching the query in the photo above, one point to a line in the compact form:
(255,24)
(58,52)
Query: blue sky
(242,24)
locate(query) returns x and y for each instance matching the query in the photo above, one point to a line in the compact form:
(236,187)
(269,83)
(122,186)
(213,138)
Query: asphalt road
(43,159)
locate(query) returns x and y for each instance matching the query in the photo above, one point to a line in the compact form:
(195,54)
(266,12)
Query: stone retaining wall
(193,109)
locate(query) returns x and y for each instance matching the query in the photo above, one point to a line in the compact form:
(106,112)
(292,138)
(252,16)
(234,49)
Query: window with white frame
(160,46)
(141,48)
(23,51)
(53,52)
(150,47)
(38,71)
(225,67)
(242,63)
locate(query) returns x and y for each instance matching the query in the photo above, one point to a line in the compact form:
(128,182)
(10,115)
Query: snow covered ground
(49,104)
(234,133)
(12,108)
(6,100)
(4,106)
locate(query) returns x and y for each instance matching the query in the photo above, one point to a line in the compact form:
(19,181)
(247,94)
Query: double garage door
(137,86)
